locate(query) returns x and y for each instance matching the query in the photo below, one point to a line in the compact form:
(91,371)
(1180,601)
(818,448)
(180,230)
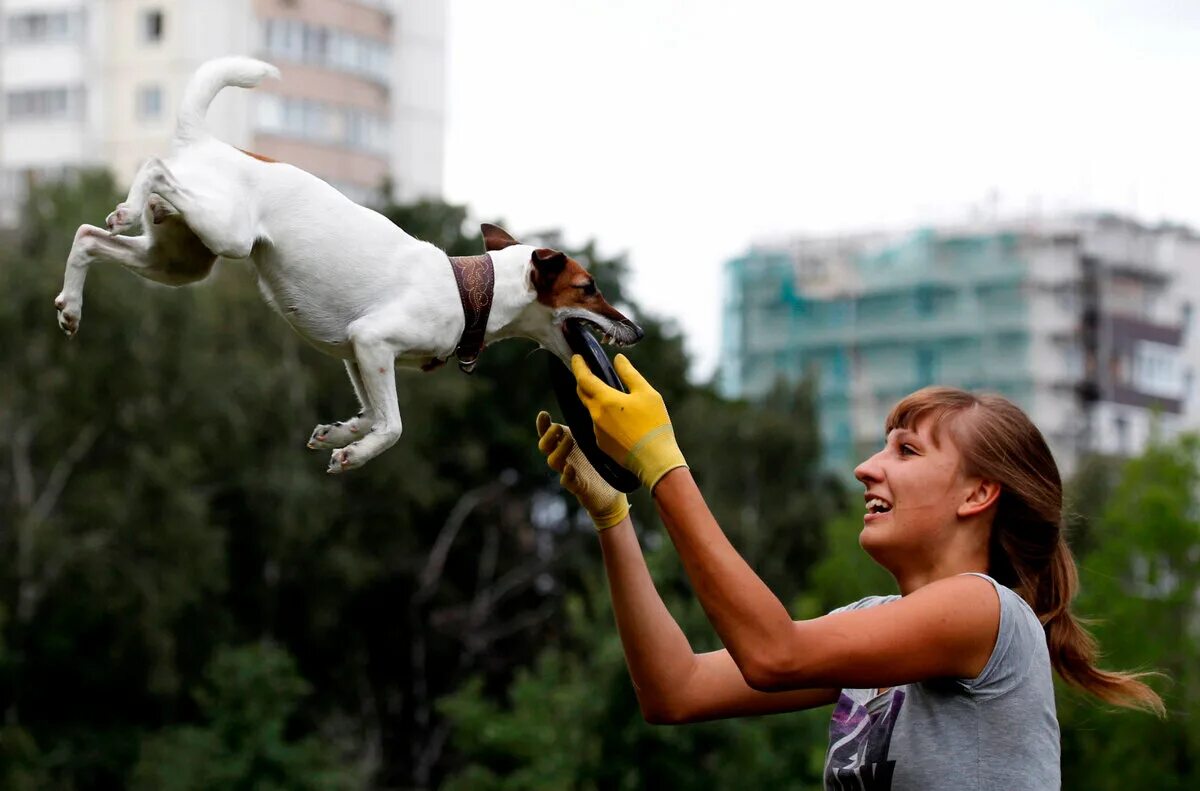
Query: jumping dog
(346,278)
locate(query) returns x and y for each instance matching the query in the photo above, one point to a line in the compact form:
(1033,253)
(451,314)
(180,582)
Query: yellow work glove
(633,428)
(605,504)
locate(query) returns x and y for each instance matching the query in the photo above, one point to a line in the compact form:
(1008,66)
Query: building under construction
(1085,322)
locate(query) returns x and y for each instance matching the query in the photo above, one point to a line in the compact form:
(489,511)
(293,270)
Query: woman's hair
(1028,550)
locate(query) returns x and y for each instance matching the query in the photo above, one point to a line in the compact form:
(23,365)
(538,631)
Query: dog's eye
(588,288)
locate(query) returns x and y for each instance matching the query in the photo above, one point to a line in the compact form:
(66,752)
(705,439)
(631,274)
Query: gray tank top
(995,732)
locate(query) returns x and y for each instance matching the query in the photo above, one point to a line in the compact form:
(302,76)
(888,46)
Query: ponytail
(1073,649)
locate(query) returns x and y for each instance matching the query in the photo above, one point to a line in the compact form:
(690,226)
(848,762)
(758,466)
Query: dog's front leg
(376,359)
(343,432)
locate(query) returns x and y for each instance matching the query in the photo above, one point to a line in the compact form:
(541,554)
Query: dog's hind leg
(376,358)
(168,257)
(223,222)
(343,432)
(94,245)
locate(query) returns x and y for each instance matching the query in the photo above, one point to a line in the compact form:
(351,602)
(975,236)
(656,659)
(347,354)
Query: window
(44,27)
(148,105)
(1121,425)
(1072,361)
(330,48)
(152,26)
(1067,298)
(1156,370)
(320,122)
(61,103)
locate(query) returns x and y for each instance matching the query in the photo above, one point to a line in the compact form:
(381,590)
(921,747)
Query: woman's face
(914,487)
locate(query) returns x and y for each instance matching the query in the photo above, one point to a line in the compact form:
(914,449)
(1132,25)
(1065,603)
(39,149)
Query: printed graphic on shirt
(858,745)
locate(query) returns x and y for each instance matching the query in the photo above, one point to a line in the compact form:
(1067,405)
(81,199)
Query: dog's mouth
(611,333)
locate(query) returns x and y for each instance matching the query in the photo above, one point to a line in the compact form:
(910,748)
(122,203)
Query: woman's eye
(907,450)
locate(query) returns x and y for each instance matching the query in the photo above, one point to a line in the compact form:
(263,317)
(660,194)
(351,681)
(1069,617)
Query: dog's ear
(495,237)
(547,264)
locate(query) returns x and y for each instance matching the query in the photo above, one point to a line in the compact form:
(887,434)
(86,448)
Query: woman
(947,685)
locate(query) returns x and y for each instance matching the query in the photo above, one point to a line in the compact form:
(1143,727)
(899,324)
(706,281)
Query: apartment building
(1085,322)
(96,83)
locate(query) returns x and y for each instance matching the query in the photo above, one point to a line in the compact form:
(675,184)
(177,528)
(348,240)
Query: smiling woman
(947,685)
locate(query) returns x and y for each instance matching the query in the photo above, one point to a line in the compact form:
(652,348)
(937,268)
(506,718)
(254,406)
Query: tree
(1142,580)
(248,697)
(572,720)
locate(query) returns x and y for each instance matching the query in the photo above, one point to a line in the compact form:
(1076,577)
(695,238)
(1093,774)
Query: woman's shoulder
(1020,642)
(1010,601)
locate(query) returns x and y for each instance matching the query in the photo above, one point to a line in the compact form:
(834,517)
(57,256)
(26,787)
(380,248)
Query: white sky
(678,131)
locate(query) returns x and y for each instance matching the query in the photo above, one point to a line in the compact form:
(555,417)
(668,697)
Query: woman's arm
(945,629)
(672,682)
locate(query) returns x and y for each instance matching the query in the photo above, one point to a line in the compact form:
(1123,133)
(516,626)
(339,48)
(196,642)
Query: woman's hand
(606,505)
(633,428)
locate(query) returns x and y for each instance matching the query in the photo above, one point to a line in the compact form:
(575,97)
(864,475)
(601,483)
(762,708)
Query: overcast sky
(679,131)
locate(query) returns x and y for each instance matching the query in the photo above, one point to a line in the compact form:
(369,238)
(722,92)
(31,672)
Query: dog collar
(476,279)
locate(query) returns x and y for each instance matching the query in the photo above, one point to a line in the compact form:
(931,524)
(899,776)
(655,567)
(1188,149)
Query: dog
(347,279)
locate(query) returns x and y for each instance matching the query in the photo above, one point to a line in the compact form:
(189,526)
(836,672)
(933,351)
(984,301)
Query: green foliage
(248,697)
(1086,495)
(1142,582)
(756,464)
(846,573)
(572,721)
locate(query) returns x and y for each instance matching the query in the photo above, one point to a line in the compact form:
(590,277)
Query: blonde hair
(1029,551)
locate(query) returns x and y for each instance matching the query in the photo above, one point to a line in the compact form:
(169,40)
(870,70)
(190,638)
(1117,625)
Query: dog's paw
(327,435)
(70,312)
(343,459)
(121,219)
(339,434)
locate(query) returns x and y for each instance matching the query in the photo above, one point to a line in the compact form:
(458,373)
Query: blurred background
(812,211)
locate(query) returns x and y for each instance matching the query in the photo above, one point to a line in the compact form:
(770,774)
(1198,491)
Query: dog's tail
(208,80)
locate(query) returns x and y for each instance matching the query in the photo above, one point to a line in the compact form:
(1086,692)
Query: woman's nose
(868,471)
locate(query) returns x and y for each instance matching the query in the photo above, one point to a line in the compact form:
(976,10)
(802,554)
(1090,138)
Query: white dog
(343,276)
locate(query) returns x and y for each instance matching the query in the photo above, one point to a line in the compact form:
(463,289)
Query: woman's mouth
(877,508)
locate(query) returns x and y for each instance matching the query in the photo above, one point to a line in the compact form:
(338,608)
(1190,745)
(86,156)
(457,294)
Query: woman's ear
(982,496)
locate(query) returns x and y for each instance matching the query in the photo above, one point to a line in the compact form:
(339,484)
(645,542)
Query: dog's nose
(638,334)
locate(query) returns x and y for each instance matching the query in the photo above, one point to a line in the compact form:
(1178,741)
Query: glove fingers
(552,438)
(543,422)
(589,402)
(588,386)
(558,457)
(633,380)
